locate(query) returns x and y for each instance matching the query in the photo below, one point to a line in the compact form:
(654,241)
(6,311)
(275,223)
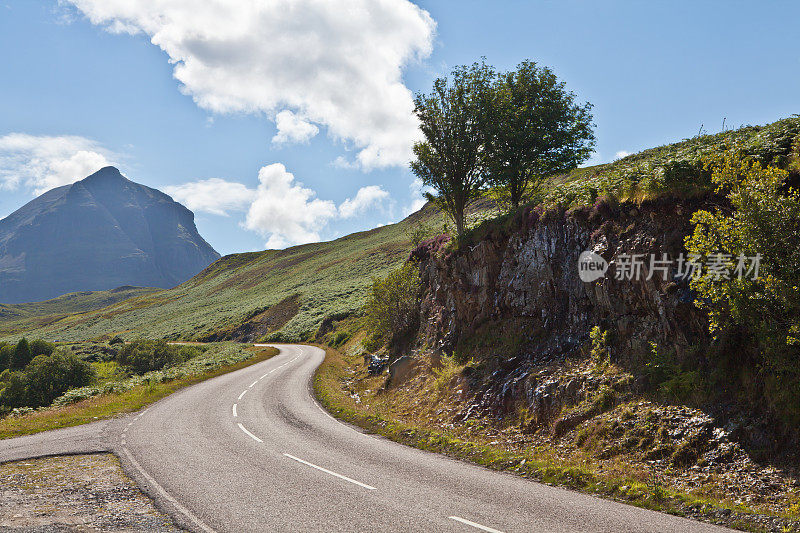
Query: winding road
(253,451)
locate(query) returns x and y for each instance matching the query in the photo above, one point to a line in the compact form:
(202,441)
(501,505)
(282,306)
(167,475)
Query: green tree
(40,347)
(449,159)
(145,356)
(532,129)
(764,306)
(48,377)
(6,353)
(22,354)
(392,307)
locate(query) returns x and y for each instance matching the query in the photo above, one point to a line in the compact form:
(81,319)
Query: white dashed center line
(249,434)
(474,524)
(234,411)
(242,394)
(368,487)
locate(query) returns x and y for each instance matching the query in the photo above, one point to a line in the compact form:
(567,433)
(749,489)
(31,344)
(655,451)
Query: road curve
(252,451)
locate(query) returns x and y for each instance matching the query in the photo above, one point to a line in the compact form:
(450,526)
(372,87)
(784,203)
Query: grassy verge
(109,405)
(541,463)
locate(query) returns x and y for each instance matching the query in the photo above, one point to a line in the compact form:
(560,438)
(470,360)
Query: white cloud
(285,210)
(335,64)
(42,163)
(621,154)
(343,163)
(366,198)
(417,198)
(292,128)
(214,195)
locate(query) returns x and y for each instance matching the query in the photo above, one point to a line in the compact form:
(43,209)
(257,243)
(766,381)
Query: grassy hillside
(287,294)
(21,317)
(309,282)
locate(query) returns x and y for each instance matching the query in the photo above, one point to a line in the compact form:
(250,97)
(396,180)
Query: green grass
(329,277)
(108,405)
(15,318)
(674,169)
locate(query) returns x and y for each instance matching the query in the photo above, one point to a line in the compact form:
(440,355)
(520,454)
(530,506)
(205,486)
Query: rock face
(97,234)
(528,278)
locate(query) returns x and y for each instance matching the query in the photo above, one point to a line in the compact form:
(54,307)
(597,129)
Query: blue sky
(75,94)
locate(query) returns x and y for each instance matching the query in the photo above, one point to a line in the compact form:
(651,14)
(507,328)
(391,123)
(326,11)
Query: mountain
(99,233)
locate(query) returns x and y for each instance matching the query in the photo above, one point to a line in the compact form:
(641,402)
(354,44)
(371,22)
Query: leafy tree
(22,354)
(12,391)
(533,129)
(449,159)
(763,306)
(44,379)
(6,353)
(40,347)
(48,377)
(392,307)
(145,356)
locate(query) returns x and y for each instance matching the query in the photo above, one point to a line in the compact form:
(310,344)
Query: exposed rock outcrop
(529,278)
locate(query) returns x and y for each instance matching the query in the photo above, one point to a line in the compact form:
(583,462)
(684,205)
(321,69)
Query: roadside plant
(145,356)
(762,307)
(392,307)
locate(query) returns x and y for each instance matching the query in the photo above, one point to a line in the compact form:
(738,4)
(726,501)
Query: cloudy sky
(281,122)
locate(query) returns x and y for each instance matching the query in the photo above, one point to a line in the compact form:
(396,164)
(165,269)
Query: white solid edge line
(242,394)
(474,524)
(186,512)
(234,411)
(312,465)
(249,434)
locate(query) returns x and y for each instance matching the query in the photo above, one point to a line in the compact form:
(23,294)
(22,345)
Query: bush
(146,356)
(40,347)
(44,379)
(22,354)
(116,339)
(392,308)
(6,353)
(762,307)
(48,377)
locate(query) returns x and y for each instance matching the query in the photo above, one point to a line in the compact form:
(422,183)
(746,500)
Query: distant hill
(256,293)
(25,316)
(97,234)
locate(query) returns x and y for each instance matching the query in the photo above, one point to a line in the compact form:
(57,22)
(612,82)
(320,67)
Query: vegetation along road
(253,451)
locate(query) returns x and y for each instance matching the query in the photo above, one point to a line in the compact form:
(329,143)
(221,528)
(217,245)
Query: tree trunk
(459,220)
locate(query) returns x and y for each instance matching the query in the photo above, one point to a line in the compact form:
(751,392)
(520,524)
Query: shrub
(762,308)
(22,354)
(48,377)
(601,351)
(6,353)
(146,356)
(44,379)
(116,339)
(40,347)
(392,308)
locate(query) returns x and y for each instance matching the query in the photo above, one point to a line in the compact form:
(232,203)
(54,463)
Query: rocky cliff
(520,281)
(99,233)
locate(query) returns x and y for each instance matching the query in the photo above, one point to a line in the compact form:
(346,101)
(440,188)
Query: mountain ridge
(99,233)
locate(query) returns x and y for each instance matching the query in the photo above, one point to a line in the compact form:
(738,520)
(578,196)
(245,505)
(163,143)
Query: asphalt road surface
(253,451)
